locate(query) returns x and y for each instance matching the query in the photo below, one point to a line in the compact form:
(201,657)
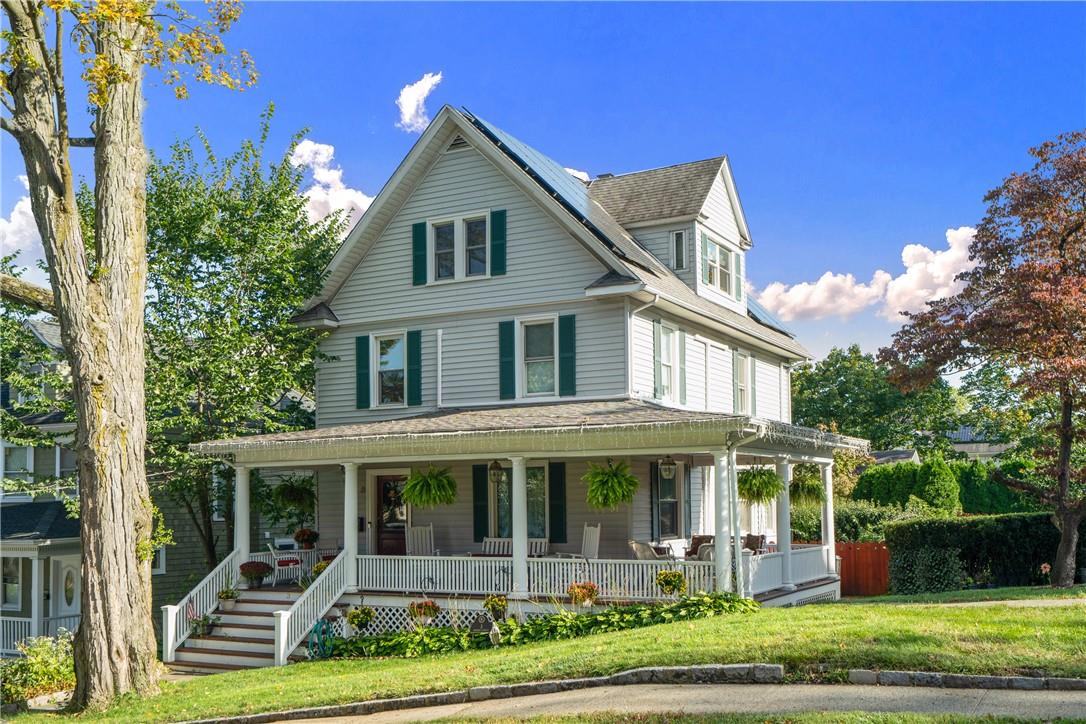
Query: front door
(65,586)
(391,516)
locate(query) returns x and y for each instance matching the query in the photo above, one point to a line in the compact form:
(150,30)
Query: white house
(492,314)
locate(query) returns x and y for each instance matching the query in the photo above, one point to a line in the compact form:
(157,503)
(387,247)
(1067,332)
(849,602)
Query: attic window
(458,143)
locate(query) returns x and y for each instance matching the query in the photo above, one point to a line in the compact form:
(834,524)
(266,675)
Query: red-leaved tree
(1024,308)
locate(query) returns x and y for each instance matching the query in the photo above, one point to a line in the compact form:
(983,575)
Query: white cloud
(582,175)
(328,192)
(18,232)
(928,275)
(412,103)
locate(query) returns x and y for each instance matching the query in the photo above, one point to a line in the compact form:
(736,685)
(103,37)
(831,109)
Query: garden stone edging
(705,674)
(964,681)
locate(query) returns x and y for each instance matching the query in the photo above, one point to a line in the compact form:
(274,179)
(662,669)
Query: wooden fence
(865,568)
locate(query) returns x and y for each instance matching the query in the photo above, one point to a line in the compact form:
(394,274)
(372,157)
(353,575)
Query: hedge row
(950,486)
(938,554)
(853,520)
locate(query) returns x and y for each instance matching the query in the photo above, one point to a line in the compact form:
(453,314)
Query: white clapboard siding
(470,360)
(643,371)
(768,388)
(721,389)
(695,373)
(544,262)
(657,239)
(719,214)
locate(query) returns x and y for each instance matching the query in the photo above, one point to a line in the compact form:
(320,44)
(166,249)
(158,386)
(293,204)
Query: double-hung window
(538,344)
(11,589)
(741,374)
(678,250)
(721,268)
(667,504)
(389,353)
(502,524)
(158,561)
(459,247)
(667,362)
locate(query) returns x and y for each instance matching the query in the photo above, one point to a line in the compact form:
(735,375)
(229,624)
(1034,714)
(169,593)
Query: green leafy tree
(850,392)
(232,255)
(937,486)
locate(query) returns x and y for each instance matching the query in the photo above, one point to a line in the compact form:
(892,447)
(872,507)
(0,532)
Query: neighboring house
(494,315)
(886,457)
(967,440)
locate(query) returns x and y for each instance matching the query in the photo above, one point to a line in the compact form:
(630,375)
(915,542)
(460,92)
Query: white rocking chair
(590,543)
(420,540)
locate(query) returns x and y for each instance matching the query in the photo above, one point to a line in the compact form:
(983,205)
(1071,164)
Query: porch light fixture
(667,467)
(496,472)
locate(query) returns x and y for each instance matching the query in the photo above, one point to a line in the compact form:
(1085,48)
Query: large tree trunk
(100,304)
(1069,513)
(1063,568)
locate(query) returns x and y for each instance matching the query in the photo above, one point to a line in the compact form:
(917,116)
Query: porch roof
(561,427)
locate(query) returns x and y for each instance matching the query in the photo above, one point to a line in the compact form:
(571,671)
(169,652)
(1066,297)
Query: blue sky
(853,130)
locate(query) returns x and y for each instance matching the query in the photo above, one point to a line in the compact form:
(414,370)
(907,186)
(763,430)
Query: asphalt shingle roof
(37,521)
(659,193)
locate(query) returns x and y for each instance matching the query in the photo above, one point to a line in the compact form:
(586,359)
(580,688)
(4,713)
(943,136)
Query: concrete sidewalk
(755,698)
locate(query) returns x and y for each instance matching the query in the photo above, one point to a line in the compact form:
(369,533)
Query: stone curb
(963,681)
(707,674)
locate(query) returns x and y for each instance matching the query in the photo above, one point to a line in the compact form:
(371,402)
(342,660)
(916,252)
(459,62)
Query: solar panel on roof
(766,317)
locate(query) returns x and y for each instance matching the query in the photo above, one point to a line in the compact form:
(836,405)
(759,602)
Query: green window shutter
(688,503)
(497,243)
(682,367)
(753,389)
(657,373)
(737,267)
(567,355)
(735,383)
(556,482)
(507,360)
(362,372)
(480,496)
(414,368)
(654,501)
(704,259)
(418,254)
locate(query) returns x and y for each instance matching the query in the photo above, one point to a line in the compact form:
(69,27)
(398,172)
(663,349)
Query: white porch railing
(292,626)
(435,574)
(623,579)
(809,563)
(200,601)
(52,625)
(762,572)
(12,631)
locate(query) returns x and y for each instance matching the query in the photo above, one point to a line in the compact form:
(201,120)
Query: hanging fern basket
(759,485)
(429,488)
(806,491)
(609,485)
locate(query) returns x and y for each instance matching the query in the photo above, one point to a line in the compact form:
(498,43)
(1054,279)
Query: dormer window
(721,268)
(459,247)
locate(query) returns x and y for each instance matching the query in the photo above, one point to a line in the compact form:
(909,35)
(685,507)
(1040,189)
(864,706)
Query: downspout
(439,345)
(629,342)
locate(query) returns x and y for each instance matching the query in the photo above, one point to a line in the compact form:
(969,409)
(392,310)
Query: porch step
(246,630)
(199,656)
(230,618)
(223,642)
(260,605)
(203,668)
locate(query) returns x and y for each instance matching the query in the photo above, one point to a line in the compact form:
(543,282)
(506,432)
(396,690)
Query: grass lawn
(1015,593)
(982,640)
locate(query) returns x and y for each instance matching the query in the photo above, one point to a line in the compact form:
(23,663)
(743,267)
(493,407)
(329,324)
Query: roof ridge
(659,168)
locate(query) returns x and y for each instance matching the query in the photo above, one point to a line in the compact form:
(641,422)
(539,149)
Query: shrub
(252,570)
(1004,550)
(981,493)
(585,592)
(46,667)
(423,609)
(887,484)
(936,485)
(853,520)
(926,570)
(671,582)
(557,626)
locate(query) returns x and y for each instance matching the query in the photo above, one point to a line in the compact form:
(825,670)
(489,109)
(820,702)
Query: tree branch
(82,141)
(6,124)
(14,289)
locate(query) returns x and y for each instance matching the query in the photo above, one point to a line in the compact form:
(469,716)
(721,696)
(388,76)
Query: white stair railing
(292,626)
(200,601)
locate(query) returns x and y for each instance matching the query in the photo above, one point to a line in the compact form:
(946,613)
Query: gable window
(459,247)
(444,251)
(11,590)
(538,344)
(678,250)
(389,362)
(502,524)
(741,375)
(721,268)
(667,503)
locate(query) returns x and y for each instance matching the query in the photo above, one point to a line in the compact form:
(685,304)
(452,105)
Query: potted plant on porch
(228,596)
(609,485)
(429,488)
(496,606)
(306,537)
(254,572)
(759,485)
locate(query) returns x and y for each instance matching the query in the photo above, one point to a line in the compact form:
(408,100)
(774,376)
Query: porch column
(241,512)
(721,523)
(829,541)
(520,527)
(784,523)
(736,528)
(37,595)
(350,523)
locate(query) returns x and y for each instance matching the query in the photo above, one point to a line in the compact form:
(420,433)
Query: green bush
(936,485)
(853,520)
(887,484)
(981,494)
(46,667)
(926,570)
(561,625)
(1001,550)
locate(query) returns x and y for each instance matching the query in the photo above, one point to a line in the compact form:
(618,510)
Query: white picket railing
(292,626)
(809,564)
(12,631)
(616,579)
(435,574)
(762,572)
(201,601)
(52,625)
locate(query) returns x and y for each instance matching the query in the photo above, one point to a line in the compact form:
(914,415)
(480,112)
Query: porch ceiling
(567,428)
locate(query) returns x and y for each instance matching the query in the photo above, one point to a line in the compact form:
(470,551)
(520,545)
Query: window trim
(522,372)
(672,247)
(459,247)
(680,502)
(19,567)
(744,354)
(673,383)
(375,367)
(161,567)
(492,499)
(735,253)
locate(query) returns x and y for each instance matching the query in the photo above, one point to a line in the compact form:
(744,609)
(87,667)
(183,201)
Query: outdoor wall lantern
(667,467)
(496,472)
